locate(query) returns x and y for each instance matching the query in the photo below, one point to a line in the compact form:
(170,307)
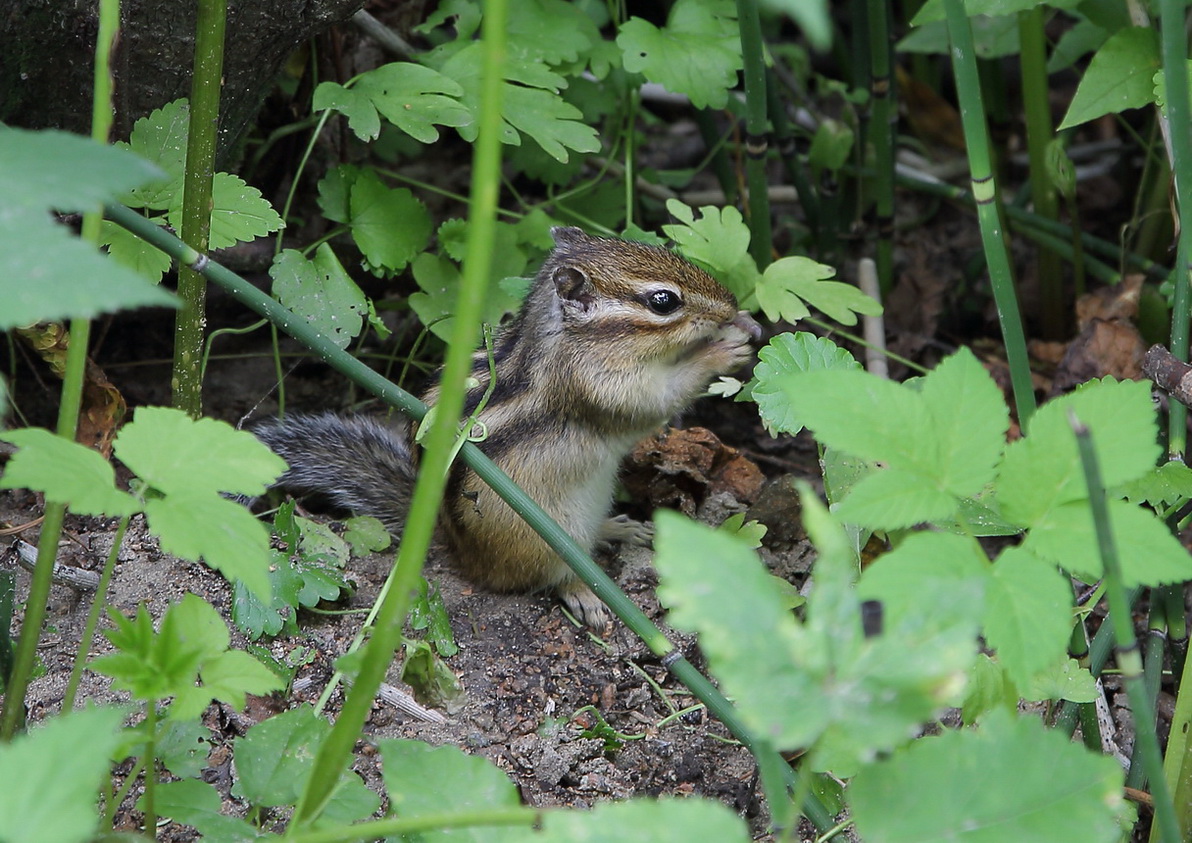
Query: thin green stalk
(336,750)
(186,380)
(150,758)
(409,827)
(1033,62)
(1179,113)
(1128,659)
(756,140)
(784,137)
(97,606)
(717,157)
(1177,765)
(881,132)
(964,65)
(13,716)
(1152,676)
(8,590)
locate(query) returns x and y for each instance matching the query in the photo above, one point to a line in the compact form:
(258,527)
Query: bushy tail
(353,463)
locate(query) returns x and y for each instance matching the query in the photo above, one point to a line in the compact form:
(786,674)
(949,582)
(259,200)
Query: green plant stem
(13,716)
(1177,765)
(1152,675)
(186,380)
(964,65)
(756,142)
(1128,659)
(394,828)
(8,590)
(1175,63)
(1035,91)
(784,135)
(151,770)
(97,606)
(717,156)
(335,751)
(881,132)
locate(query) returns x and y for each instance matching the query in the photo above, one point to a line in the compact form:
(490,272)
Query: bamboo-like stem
(13,716)
(1033,61)
(1152,675)
(97,606)
(756,129)
(554,535)
(186,380)
(881,132)
(1128,659)
(964,65)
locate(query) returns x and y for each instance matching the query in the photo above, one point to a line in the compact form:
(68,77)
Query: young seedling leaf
(698,53)
(151,666)
(177,454)
(321,292)
(51,776)
(1033,784)
(1119,77)
(66,472)
(389,224)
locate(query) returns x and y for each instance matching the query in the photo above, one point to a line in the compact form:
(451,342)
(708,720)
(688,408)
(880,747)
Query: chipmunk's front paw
(622,528)
(582,602)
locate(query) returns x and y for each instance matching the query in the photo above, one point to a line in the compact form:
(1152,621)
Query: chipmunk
(613,339)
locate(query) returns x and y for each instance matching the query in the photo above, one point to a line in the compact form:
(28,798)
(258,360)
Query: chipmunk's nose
(748,324)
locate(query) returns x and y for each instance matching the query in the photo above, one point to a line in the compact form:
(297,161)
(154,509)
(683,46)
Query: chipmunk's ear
(568,236)
(574,288)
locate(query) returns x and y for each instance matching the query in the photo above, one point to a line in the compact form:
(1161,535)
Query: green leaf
(275,757)
(34,178)
(933,10)
(1148,552)
(812,17)
(1028,617)
(354,103)
(719,240)
(150,665)
(831,146)
(1066,680)
(925,561)
(893,499)
(698,53)
(1033,784)
(645,821)
(389,225)
(150,262)
(438,280)
(321,292)
(787,355)
(988,688)
(551,31)
(160,137)
(238,213)
(421,779)
(51,776)
(1163,486)
(1119,77)
(434,683)
(366,534)
(1043,470)
(414,98)
(228,677)
(183,746)
(790,284)
(177,454)
(198,805)
(221,532)
(66,472)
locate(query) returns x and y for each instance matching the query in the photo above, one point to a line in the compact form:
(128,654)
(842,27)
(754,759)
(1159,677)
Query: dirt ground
(525,667)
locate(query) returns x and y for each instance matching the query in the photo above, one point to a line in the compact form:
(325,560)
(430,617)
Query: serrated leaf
(49,785)
(32,175)
(222,533)
(1034,784)
(787,355)
(160,137)
(1028,616)
(67,472)
(698,53)
(790,284)
(1043,470)
(1164,486)
(1066,680)
(177,454)
(239,213)
(439,280)
(719,240)
(645,821)
(150,665)
(228,677)
(389,225)
(1149,554)
(275,757)
(925,560)
(321,292)
(893,499)
(366,534)
(1118,77)
(150,262)
(415,99)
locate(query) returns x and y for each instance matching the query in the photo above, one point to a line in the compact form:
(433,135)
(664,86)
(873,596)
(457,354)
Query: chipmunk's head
(612,289)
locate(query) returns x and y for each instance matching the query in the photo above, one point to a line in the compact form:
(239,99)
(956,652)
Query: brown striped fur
(584,371)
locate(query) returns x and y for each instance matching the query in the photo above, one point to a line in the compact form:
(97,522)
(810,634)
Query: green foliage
(192,645)
(49,784)
(185,464)
(239,213)
(1120,76)
(78,282)
(321,292)
(1073,796)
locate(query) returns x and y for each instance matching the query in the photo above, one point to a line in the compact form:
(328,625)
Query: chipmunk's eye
(663,302)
